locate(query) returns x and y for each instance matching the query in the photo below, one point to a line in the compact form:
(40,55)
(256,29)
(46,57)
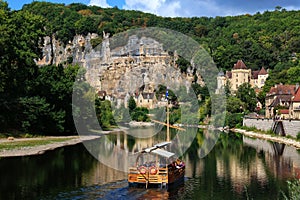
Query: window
(237,75)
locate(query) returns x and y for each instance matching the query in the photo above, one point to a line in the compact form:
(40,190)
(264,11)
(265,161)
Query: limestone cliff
(139,63)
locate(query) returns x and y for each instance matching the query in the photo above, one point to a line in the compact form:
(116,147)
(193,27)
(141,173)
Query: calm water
(237,168)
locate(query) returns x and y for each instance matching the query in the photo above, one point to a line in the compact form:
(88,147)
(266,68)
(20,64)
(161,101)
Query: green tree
(131,104)
(293,74)
(38,116)
(235,105)
(247,95)
(140,114)
(104,114)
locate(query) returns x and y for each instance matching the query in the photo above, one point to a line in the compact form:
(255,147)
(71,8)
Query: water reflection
(282,161)
(119,150)
(237,168)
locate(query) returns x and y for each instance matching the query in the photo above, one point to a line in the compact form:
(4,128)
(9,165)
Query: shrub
(140,115)
(233,119)
(270,132)
(298,135)
(293,190)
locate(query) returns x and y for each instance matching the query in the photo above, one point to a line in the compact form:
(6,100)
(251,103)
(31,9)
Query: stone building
(294,110)
(241,74)
(146,100)
(279,99)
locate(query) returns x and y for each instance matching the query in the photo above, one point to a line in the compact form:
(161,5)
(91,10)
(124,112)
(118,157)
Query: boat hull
(163,178)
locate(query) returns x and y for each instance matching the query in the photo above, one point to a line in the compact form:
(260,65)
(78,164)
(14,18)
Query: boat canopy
(159,145)
(163,153)
(156,149)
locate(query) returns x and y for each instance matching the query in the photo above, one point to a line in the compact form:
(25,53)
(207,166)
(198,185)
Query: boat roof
(163,153)
(156,150)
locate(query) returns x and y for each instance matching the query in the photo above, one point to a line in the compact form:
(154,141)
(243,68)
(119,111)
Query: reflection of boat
(156,166)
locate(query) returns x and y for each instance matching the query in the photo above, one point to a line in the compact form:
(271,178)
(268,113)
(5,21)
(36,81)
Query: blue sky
(183,8)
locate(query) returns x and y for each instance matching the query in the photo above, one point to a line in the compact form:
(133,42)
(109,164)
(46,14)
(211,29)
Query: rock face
(138,64)
(76,51)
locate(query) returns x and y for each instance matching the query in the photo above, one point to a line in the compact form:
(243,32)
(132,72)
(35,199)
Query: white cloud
(171,10)
(100,3)
(168,8)
(181,8)
(292,7)
(190,8)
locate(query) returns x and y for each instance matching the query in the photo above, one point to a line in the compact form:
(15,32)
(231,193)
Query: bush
(247,128)
(270,132)
(233,119)
(293,190)
(140,115)
(298,135)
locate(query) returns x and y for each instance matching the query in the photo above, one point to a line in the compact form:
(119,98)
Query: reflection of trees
(32,177)
(230,166)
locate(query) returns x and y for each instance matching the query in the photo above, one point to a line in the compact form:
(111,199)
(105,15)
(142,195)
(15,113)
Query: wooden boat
(156,166)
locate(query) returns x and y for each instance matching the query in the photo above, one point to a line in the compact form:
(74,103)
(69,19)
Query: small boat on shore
(156,166)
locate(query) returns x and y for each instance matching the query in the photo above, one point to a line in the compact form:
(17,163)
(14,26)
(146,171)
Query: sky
(182,8)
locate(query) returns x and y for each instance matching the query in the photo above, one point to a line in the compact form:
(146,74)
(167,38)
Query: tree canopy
(39,99)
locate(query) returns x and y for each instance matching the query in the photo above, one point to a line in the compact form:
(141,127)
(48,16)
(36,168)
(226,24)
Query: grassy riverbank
(38,145)
(19,144)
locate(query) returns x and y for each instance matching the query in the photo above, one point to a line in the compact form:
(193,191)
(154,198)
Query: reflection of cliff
(282,161)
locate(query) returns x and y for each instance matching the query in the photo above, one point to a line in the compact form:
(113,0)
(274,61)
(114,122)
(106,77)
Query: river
(236,168)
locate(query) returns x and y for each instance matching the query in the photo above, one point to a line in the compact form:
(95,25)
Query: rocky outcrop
(138,63)
(76,51)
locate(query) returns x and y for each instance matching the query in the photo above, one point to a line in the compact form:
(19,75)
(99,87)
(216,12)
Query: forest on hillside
(263,39)
(38,100)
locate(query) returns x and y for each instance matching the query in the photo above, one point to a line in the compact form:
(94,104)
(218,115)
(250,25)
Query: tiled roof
(284,111)
(240,65)
(221,73)
(255,74)
(296,97)
(229,74)
(148,95)
(102,93)
(280,99)
(282,89)
(262,71)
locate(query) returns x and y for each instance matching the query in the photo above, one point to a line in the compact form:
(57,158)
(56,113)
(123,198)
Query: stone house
(146,100)
(294,110)
(279,98)
(240,74)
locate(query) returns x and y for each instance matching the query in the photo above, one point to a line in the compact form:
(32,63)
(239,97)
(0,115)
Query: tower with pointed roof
(239,74)
(262,77)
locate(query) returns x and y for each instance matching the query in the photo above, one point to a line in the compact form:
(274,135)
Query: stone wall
(291,127)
